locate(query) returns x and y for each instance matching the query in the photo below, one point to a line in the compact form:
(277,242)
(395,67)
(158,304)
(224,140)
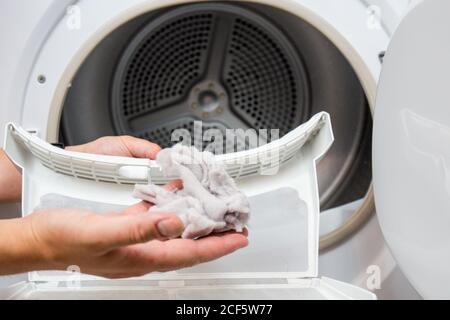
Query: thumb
(122,230)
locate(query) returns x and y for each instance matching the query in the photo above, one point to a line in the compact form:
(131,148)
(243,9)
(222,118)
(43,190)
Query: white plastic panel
(280,222)
(263,160)
(411,148)
(308,289)
(292,162)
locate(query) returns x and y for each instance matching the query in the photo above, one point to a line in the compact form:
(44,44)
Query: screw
(211,85)
(194,105)
(205,114)
(381,56)
(196,89)
(222,95)
(219,110)
(41,79)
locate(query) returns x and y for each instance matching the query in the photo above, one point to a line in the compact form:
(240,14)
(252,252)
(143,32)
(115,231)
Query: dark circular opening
(209,45)
(240,65)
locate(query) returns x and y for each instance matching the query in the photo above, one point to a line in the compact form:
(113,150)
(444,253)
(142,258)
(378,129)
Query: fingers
(126,146)
(174,185)
(140,148)
(207,249)
(182,253)
(110,232)
(144,206)
(221,234)
(138,208)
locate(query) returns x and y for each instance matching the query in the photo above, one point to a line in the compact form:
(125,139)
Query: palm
(111,245)
(117,245)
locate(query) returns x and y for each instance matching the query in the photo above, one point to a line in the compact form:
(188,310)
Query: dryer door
(411,155)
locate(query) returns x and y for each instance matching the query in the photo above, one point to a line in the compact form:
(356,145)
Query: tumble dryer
(77,70)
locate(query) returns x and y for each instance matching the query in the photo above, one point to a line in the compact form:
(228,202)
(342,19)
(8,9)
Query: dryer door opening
(241,65)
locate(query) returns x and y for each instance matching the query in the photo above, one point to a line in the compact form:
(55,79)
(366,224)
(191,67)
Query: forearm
(10,180)
(18,250)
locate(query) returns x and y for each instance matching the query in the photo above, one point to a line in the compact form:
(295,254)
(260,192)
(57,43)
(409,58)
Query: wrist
(19,248)
(10,177)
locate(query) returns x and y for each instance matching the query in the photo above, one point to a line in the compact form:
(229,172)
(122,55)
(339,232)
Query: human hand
(125,146)
(117,245)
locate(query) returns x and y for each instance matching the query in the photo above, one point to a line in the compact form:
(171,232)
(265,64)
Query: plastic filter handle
(134,172)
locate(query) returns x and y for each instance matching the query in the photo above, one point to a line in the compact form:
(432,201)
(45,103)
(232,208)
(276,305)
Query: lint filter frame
(279,178)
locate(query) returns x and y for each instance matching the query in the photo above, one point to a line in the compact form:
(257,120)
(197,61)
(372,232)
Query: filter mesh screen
(165,63)
(260,78)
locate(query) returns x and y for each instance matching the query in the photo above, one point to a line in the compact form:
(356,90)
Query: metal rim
(351,226)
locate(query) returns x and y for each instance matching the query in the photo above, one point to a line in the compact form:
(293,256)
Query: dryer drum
(241,65)
(221,64)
